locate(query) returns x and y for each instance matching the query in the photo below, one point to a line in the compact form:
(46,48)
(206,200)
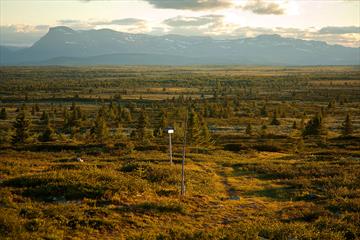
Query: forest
(269,152)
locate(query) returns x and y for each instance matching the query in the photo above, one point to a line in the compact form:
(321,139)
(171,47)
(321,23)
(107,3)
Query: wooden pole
(183,157)
(170,149)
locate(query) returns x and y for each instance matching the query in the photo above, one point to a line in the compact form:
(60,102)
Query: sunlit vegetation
(272,152)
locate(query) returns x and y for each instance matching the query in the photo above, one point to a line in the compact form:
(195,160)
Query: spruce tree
(47,135)
(163,123)
(21,125)
(126,115)
(263,130)
(248,129)
(274,120)
(37,108)
(142,125)
(163,120)
(5,136)
(33,110)
(347,127)
(3,114)
(263,111)
(100,130)
(302,124)
(205,133)
(45,117)
(315,126)
(194,128)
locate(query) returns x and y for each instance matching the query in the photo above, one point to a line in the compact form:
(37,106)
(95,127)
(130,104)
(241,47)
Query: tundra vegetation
(272,153)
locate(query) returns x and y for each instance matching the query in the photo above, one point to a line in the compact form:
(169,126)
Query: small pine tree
(5,136)
(22,126)
(302,124)
(194,128)
(315,126)
(347,127)
(299,145)
(37,108)
(163,120)
(263,111)
(126,115)
(33,110)
(47,135)
(263,130)
(142,125)
(45,117)
(248,129)
(205,133)
(100,130)
(274,120)
(3,114)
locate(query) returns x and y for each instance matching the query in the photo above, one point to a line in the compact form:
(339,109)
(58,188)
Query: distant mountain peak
(269,37)
(61,29)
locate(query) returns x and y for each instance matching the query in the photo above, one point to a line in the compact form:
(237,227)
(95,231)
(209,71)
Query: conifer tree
(263,111)
(347,127)
(5,136)
(263,130)
(163,120)
(22,126)
(37,108)
(163,123)
(302,124)
(205,133)
(3,114)
(33,111)
(248,129)
(100,130)
(45,117)
(315,126)
(194,128)
(47,135)
(126,115)
(142,125)
(274,120)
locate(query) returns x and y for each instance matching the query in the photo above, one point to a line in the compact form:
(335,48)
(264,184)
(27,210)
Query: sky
(23,22)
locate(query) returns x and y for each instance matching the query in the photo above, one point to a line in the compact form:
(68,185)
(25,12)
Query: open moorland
(271,153)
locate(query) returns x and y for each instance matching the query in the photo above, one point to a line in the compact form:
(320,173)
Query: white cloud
(21,35)
(264,7)
(194,5)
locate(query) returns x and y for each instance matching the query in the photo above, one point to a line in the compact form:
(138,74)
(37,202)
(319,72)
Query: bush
(235,147)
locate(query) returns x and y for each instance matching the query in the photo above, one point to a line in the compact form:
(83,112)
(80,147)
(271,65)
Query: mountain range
(65,46)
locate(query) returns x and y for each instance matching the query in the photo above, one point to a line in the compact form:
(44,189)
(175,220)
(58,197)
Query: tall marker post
(183,157)
(170,130)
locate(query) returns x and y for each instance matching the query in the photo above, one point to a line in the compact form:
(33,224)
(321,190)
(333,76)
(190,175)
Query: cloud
(68,21)
(128,21)
(132,25)
(339,30)
(73,23)
(264,7)
(207,25)
(181,21)
(350,40)
(21,35)
(194,5)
